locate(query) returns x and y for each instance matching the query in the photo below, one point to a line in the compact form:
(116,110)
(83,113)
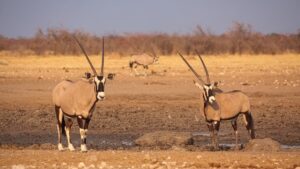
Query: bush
(240,39)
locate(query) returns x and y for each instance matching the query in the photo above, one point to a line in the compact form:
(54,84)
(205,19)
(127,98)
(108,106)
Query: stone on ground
(165,138)
(266,144)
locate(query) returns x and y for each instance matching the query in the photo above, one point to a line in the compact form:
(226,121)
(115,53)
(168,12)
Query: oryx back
(143,59)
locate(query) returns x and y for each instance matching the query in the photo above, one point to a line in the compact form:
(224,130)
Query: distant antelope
(143,60)
(219,105)
(78,99)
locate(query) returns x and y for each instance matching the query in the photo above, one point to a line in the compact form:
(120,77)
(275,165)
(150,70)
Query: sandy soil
(165,100)
(146,159)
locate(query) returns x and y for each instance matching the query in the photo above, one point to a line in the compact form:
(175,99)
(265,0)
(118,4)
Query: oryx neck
(95,90)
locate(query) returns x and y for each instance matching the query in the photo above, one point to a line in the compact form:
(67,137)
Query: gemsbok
(143,60)
(77,99)
(219,106)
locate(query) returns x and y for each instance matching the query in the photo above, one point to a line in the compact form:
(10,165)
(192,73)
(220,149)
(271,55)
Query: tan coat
(75,98)
(143,59)
(227,106)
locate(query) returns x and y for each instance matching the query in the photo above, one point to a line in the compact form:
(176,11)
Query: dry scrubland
(166,100)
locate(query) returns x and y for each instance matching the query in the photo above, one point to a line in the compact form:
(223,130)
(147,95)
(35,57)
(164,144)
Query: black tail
(250,125)
(62,123)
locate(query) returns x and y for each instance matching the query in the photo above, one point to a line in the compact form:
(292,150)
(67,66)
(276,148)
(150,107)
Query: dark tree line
(239,39)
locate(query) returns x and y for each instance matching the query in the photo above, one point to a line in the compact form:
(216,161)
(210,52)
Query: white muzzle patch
(100,95)
(211,99)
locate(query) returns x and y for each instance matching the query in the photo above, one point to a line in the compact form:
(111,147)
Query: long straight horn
(195,73)
(153,52)
(204,66)
(102,63)
(86,56)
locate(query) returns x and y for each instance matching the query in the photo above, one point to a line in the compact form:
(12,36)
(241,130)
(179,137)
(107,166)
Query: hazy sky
(100,17)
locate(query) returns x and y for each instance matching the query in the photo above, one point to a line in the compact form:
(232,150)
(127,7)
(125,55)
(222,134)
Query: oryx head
(100,83)
(208,91)
(207,88)
(99,80)
(155,61)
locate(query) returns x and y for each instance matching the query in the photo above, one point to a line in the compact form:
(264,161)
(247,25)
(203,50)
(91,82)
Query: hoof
(83,148)
(71,147)
(60,147)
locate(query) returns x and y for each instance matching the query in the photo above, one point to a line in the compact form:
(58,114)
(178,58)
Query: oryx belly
(83,112)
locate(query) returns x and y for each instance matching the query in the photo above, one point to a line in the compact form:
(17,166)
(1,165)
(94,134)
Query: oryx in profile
(143,60)
(77,99)
(219,105)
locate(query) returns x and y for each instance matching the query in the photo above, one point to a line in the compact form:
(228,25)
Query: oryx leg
(135,71)
(60,126)
(82,134)
(131,69)
(86,126)
(130,66)
(211,132)
(248,119)
(83,128)
(234,126)
(145,70)
(69,124)
(216,126)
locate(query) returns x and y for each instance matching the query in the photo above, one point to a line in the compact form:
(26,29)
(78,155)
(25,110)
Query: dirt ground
(165,100)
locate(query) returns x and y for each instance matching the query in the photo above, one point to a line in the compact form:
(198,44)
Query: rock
(81,165)
(18,166)
(266,144)
(165,138)
(45,146)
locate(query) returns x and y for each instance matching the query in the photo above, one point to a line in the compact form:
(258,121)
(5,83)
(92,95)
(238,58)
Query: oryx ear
(111,76)
(197,84)
(87,75)
(215,85)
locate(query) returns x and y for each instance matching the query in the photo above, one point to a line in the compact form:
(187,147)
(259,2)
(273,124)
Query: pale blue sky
(102,17)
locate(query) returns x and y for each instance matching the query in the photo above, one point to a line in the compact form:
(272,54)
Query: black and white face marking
(100,83)
(208,92)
